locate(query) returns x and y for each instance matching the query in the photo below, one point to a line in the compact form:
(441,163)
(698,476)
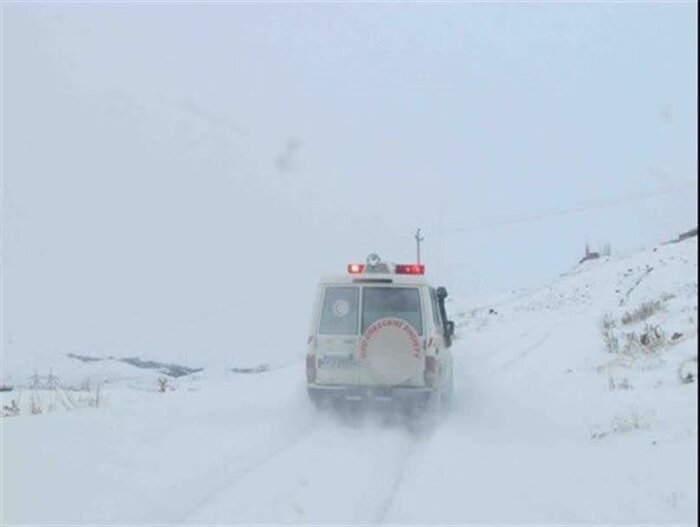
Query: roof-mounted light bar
(409,269)
(356,268)
(384,268)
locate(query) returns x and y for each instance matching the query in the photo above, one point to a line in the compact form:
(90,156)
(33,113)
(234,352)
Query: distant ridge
(685,235)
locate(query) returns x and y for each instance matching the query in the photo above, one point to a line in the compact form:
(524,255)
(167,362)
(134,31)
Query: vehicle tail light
(310,368)
(410,269)
(356,268)
(431,370)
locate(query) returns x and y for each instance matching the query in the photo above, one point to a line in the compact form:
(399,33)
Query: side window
(436,309)
(339,313)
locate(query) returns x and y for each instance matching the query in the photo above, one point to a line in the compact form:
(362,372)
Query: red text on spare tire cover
(390,322)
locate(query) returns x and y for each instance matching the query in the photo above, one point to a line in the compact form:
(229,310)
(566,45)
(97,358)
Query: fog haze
(179,176)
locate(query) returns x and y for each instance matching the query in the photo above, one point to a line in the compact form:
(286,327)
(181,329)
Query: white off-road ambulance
(380,333)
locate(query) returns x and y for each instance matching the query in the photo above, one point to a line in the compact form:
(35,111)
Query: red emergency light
(356,268)
(409,269)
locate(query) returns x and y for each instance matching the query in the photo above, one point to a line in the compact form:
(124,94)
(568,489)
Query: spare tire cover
(390,351)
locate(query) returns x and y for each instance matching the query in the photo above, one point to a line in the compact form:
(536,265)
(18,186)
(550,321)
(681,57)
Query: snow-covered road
(539,434)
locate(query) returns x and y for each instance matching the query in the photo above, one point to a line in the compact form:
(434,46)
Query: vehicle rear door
(337,359)
(391,328)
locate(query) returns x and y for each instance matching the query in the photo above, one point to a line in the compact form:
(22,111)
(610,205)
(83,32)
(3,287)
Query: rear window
(339,314)
(397,302)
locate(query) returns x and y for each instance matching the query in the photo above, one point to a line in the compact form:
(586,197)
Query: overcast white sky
(178,176)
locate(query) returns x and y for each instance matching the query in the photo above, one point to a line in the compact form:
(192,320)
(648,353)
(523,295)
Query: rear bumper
(328,393)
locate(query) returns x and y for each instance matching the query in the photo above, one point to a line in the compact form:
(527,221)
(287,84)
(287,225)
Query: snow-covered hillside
(576,401)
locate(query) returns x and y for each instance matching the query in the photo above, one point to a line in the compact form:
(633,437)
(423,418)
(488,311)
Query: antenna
(419,239)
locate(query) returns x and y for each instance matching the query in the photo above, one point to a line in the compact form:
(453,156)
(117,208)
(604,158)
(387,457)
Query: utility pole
(419,239)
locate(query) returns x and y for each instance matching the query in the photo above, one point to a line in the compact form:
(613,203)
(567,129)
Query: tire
(316,400)
(446,394)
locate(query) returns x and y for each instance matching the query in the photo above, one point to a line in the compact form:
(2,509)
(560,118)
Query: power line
(502,221)
(494,222)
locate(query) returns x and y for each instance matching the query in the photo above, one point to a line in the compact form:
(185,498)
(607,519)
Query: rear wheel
(317,400)
(446,393)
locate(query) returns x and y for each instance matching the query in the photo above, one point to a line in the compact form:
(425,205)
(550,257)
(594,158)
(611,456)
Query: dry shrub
(649,341)
(621,425)
(607,327)
(643,312)
(11,410)
(90,398)
(35,404)
(164,384)
(621,384)
(688,370)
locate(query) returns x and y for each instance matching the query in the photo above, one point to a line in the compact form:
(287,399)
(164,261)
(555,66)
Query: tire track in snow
(524,353)
(419,436)
(492,348)
(243,472)
(270,486)
(400,474)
